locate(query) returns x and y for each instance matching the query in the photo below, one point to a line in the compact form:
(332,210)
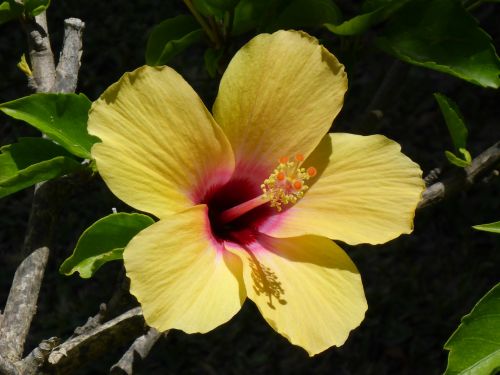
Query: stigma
(287,184)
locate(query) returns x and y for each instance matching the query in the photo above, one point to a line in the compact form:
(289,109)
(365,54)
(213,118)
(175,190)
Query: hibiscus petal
(306,288)
(161,149)
(366,191)
(181,276)
(278,97)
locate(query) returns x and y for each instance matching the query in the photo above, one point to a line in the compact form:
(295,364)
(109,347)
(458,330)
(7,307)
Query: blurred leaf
(441,35)
(454,121)
(62,117)
(35,7)
(491,227)
(307,13)
(455,160)
(30,161)
(104,241)
(214,7)
(376,13)
(212,58)
(9,10)
(208,10)
(170,38)
(475,346)
(248,15)
(466,155)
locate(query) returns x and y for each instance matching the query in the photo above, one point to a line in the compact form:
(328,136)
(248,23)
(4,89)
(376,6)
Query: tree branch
(460,179)
(138,351)
(71,54)
(21,304)
(79,350)
(41,56)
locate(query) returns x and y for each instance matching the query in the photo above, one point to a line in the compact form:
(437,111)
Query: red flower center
(242,228)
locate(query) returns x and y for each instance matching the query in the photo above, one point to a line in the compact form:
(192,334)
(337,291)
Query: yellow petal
(366,191)
(306,288)
(278,97)
(161,148)
(181,276)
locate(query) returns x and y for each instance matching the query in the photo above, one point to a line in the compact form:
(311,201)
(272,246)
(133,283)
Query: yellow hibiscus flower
(249,197)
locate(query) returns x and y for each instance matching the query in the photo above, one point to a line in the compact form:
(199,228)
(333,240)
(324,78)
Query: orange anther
(280,176)
(299,157)
(297,185)
(311,171)
(284,160)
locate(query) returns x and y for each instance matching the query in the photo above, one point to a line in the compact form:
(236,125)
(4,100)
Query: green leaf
(214,7)
(376,13)
(454,121)
(30,161)
(35,7)
(104,241)
(9,10)
(306,13)
(62,117)
(249,14)
(170,38)
(455,160)
(212,58)
(491,227)
(475,346)
(441,35)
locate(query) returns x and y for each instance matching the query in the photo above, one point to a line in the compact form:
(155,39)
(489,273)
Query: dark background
(418,286)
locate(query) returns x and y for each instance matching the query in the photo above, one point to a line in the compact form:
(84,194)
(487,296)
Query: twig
(77,351)
(71,54)
(139,350)
(479,168)
(41,56)
(21,304)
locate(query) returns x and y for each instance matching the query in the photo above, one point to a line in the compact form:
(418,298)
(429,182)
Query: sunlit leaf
(170,38)
(35,7)
(443,36)
(455,160)
(491,227)
(475,346)
(373,16)
(9,10)
(30,161)
(454,121)
(104,241)
(62,117)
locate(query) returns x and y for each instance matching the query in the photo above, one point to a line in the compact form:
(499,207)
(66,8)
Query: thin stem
(212,35)
(241,209)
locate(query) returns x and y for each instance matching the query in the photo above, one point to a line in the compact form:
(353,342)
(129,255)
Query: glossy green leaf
(35,7)
(454,121)
(361,23)
(491,227)
(443,36)
(103,241)
(62,117)
(306,13)
(9,10)
(170,38)
(475,346)
(30,161)
(455,160)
